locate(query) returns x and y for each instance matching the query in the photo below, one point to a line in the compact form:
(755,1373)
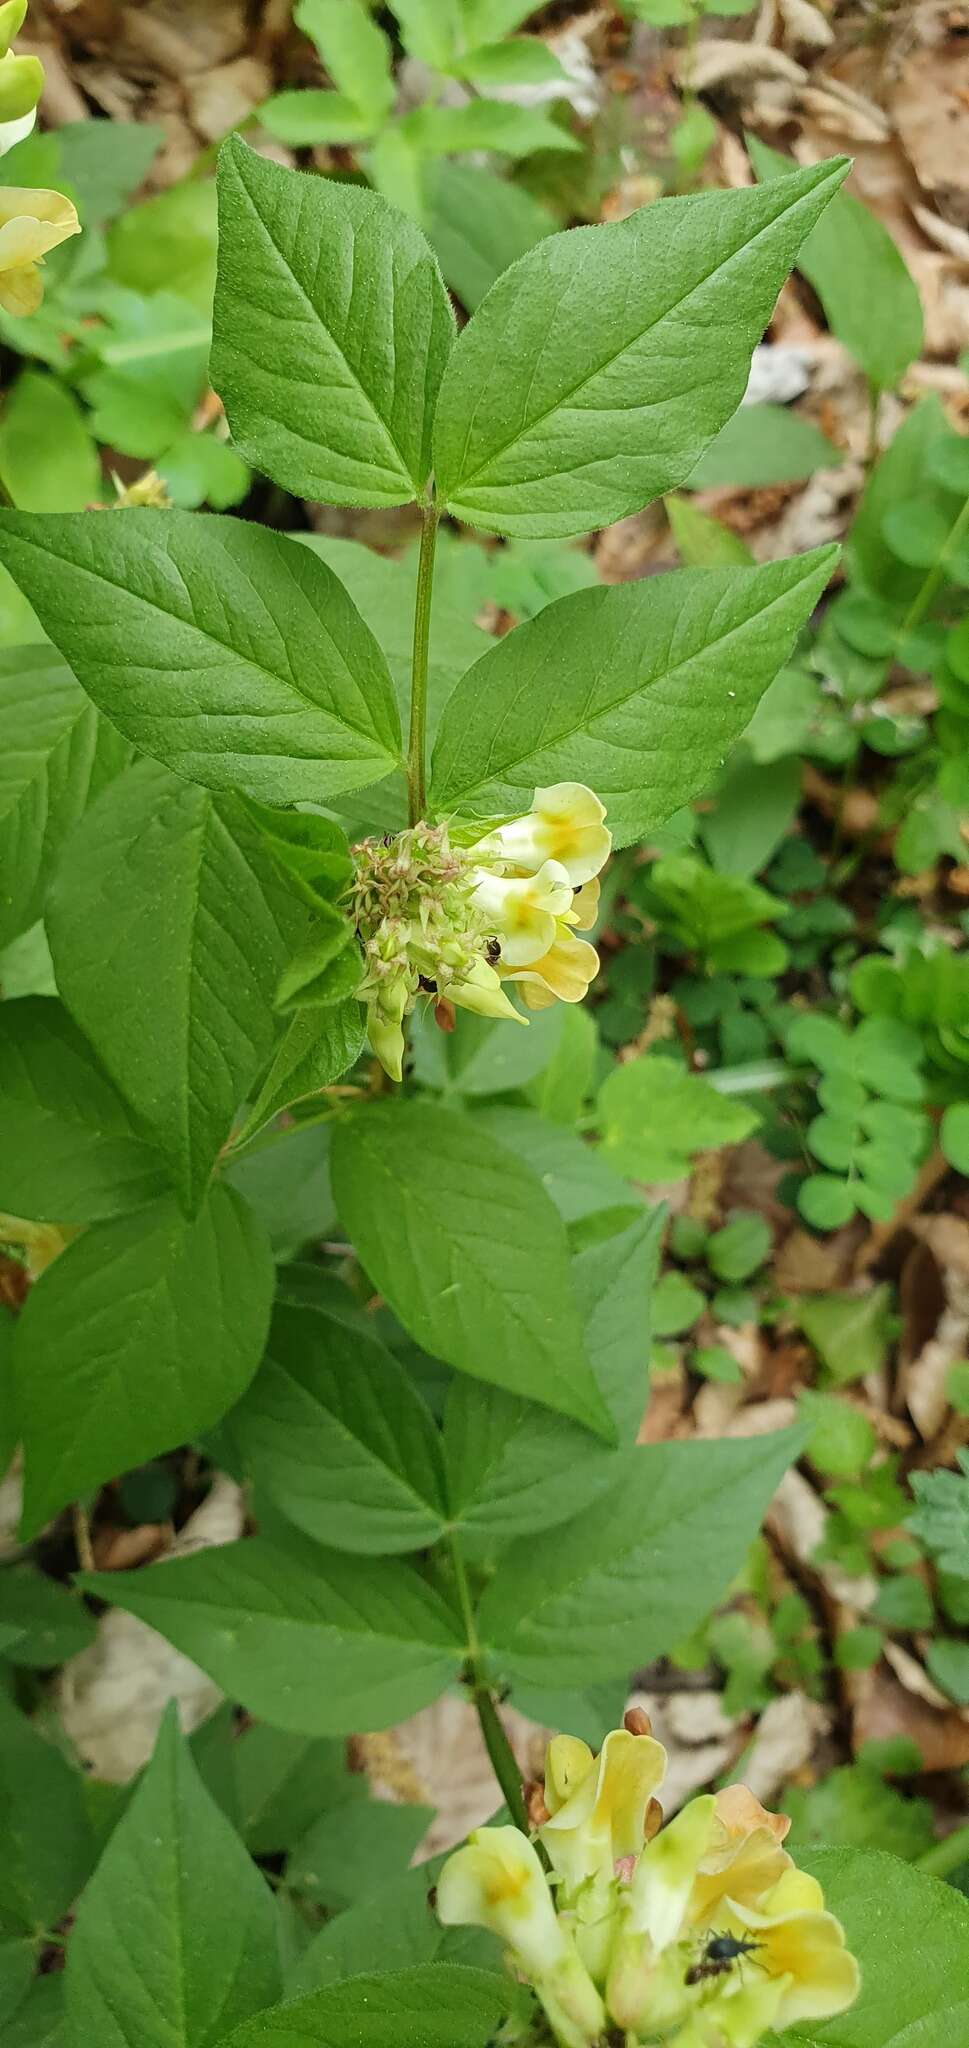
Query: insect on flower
(719,1955)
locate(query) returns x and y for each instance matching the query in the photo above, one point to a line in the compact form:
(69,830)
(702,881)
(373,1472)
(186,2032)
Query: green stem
(936,576)
(496,1741)
(946,1855)
(416,741)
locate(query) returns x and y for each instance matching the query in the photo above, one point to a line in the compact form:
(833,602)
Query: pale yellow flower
(31,223)
(522,910)
(565,824)
(596,1827)
(496,1881)
(562,974)
(799,1946)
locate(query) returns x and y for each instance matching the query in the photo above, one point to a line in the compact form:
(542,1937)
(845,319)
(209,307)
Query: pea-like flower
(31,223)
(523,911)
(496,1881)
(453,914)
(565,824)
(702,1934)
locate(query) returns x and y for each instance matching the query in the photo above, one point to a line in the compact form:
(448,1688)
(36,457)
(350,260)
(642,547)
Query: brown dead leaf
(788,1733)
(928,106)
(887,1709)
(816,1265)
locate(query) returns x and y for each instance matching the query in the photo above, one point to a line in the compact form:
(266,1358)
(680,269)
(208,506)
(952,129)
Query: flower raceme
(455,911)
(702,1934)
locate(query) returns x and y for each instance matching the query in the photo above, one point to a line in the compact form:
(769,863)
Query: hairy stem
(417,737)
(496,1741)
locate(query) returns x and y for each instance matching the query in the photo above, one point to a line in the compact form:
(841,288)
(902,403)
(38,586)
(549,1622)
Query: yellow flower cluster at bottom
(702,1934)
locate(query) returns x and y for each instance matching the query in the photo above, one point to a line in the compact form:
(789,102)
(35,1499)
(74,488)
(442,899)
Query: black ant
(719,1956)
(493,951)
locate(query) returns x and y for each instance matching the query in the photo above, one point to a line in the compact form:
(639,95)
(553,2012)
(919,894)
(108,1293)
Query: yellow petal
(21,291)
(567,1763)
(664,1876)
(564,971)
(496,1881)
(54,217)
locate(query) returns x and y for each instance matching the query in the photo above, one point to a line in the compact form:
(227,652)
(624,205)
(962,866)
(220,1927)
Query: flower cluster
(455,912)
(31,223)
(702,1934)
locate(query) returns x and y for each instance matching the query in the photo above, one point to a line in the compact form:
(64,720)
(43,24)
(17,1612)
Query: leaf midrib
(565,397)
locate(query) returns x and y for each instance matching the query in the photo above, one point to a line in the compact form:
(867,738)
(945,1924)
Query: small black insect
(429,987)
(719,1956)
(493,950)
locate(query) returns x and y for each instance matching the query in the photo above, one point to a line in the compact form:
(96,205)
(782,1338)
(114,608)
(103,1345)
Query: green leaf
(355,51)
(914,1993)
(947,1661)
(676,1305)
(199,469)
(318,1046)
(199,1952)
(855,1808)
(478,225)
(763,444)
(216,646)
(283,1781)
(482,1057)
(513,1466)
(632,1575)
(942,1518)
(702,542)
(141,1334)
(899,474)
(601,365)
(574,1174)
(201,927)
(336,1433)
(639,687)
(655,1116)
(285,1178)
(522,60)
(850,1332)
(345,1856)
(736,1251)
(903,1602)
(329,369)
(17,1962)
(954,1136)
(500,125)
(303,120)
(51,1623)
(168,243)
(39,2022)
(433,2006)
(72,1152)
(49,1844)
(105,162)
(308,1639)
(461,1240)
(48,460)
(57,755)
(861,278)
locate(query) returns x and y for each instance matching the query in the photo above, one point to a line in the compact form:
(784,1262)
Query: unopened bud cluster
(701,1934)
(452,913)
